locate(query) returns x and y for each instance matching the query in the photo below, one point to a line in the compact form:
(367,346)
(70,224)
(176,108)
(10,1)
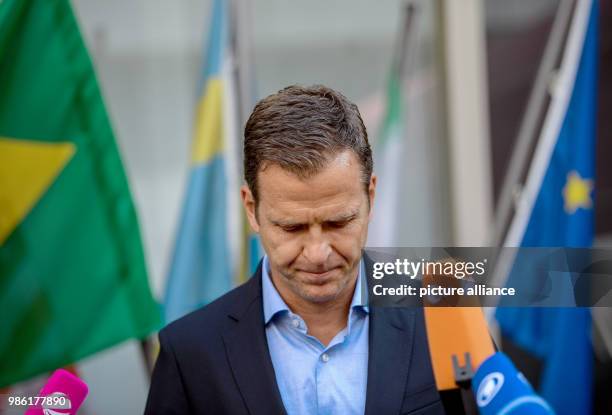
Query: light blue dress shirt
(313,378)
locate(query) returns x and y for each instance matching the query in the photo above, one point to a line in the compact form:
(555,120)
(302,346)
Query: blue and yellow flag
(205,260)
(557,210)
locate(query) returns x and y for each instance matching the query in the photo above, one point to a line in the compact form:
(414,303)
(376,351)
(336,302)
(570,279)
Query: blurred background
(448,85)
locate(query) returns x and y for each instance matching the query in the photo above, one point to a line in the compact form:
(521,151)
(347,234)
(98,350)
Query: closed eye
(292,228)
(339,224)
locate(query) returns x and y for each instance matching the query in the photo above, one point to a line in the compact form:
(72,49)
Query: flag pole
(405,42)
(531,122)
(526,141)
(242,22)
(147,346)
(244,73)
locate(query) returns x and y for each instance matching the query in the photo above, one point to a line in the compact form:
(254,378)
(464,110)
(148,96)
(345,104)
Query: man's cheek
(349,248)
(286,252)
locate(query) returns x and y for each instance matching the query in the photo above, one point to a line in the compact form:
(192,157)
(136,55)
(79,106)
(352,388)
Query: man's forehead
(342,169)
(343,158)
(336,190)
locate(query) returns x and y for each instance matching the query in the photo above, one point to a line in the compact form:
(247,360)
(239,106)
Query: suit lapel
(390,347)
(247,351)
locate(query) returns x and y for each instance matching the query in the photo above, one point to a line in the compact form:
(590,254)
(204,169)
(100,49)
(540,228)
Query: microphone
(456,326)
(456,332)
(64,393)
(456,329)
(499,388)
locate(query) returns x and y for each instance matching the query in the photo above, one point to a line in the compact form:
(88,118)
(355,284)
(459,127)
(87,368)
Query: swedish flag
(205,262)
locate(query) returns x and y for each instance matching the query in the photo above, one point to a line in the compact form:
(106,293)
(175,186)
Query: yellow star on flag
(27,169)
(577,192)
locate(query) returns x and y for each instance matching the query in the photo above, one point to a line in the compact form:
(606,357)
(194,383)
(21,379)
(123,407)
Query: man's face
(312,229)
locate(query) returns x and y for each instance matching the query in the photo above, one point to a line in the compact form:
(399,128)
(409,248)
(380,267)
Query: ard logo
(488,388)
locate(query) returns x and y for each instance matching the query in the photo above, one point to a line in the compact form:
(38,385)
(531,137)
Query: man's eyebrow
(280,222)
(342,217)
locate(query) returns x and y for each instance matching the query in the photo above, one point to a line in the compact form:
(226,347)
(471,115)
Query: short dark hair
(301,129)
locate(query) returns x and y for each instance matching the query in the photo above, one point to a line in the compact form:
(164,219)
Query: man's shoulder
(213,318)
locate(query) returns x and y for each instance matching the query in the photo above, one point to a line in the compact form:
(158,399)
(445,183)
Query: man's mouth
(318,276)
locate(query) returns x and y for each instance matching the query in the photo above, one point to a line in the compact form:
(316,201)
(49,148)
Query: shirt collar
(273,303)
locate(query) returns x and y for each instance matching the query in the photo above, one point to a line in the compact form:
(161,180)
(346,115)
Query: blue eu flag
(561,214)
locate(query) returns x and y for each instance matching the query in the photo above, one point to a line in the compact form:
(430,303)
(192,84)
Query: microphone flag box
(62,394)
(500,388)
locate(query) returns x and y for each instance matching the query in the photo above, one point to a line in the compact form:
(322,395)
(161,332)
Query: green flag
(391,170)
(72,274)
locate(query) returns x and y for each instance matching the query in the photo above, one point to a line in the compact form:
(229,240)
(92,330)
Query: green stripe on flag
(73,279)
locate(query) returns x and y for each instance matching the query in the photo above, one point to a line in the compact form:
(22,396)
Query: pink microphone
(62,394)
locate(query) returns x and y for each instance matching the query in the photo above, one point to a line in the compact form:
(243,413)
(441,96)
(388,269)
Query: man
(298,338)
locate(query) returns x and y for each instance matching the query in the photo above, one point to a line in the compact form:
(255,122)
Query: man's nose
(317,248)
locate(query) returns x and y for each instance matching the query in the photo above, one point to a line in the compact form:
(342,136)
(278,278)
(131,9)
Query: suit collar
(251,292)
(247,351)
(390,347)
(390,343)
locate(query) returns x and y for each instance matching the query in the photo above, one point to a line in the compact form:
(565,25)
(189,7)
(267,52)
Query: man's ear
(248,201)
(372,194)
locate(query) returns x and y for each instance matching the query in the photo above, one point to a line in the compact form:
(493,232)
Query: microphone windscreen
(456,331)
(499,388)
(61,384)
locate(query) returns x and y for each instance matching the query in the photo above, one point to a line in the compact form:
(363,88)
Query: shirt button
(296,323)
(325,357)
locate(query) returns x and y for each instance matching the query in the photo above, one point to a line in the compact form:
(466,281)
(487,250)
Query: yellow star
(577,192)
(27,169)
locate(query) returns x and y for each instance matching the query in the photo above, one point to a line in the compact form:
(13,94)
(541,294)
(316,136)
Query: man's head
(308,169)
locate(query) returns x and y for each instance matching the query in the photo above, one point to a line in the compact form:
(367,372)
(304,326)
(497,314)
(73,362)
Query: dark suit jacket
(216,361)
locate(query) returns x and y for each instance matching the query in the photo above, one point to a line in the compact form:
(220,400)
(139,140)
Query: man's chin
(318,287)
(319,298)
(321,293)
